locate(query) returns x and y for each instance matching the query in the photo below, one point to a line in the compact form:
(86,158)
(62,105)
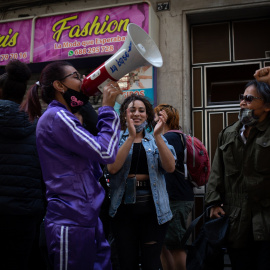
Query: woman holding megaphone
(70,157)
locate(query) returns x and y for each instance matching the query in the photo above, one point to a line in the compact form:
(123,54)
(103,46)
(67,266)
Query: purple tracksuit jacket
(70,157)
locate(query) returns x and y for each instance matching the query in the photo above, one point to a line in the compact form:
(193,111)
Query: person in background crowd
(239,182)
(22,201)
(180,192)
(139,207)
(70,158)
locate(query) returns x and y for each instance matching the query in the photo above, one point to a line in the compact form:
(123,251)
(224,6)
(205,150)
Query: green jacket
(240,179)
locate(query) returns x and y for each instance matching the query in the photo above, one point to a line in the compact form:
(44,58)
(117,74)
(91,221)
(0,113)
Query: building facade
(210,50)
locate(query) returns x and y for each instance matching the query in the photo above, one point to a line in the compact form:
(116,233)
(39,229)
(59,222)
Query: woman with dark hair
(22,203)
(239,182)
(139,206)
(180,192)
(70,157)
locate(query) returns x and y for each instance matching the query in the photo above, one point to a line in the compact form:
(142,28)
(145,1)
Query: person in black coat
(22,204)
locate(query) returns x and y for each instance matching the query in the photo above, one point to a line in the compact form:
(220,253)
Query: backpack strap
(184,142)
(193,150)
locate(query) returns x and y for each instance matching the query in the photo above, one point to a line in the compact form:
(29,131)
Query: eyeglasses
(248,98)
(77,76)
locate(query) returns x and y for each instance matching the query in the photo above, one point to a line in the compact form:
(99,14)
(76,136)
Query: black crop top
(138,154)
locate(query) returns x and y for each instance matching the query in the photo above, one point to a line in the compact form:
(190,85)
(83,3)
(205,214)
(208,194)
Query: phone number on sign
(92,50)
(5,57)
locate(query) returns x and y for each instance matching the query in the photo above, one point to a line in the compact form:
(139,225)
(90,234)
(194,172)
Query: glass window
(251,40)
(197,87)
(210,43)
(225,83)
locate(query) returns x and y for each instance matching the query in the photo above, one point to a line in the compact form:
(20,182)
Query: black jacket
(20,172)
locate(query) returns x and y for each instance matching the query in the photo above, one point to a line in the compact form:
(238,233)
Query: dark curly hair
(148,106)
(14,82)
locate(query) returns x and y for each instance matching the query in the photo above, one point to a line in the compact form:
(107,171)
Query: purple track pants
(77,248)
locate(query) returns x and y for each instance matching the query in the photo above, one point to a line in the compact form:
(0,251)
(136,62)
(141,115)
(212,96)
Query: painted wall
(173,80)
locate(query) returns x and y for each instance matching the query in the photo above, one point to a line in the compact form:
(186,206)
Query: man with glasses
(239,183)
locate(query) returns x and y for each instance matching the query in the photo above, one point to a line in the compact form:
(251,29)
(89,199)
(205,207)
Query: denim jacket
(156,175)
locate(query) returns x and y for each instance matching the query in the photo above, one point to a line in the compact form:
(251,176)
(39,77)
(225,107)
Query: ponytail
(31,104)
(49,74)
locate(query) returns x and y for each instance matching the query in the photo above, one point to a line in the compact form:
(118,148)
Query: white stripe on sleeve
(90,141)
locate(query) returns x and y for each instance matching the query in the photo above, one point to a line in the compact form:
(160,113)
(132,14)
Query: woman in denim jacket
(140,207)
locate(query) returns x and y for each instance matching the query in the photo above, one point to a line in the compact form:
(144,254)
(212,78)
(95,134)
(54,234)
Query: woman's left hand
(161,123)
(165,154)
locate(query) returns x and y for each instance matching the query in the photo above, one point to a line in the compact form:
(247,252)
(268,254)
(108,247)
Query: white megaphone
(138,50)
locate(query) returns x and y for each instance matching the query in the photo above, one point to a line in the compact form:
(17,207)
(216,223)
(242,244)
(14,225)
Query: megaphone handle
(119,98)
(101,86)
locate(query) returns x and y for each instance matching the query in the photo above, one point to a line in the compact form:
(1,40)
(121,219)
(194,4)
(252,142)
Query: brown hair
(172,113)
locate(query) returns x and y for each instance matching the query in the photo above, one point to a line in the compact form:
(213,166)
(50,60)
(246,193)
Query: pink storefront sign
(15,41)
(87,33)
